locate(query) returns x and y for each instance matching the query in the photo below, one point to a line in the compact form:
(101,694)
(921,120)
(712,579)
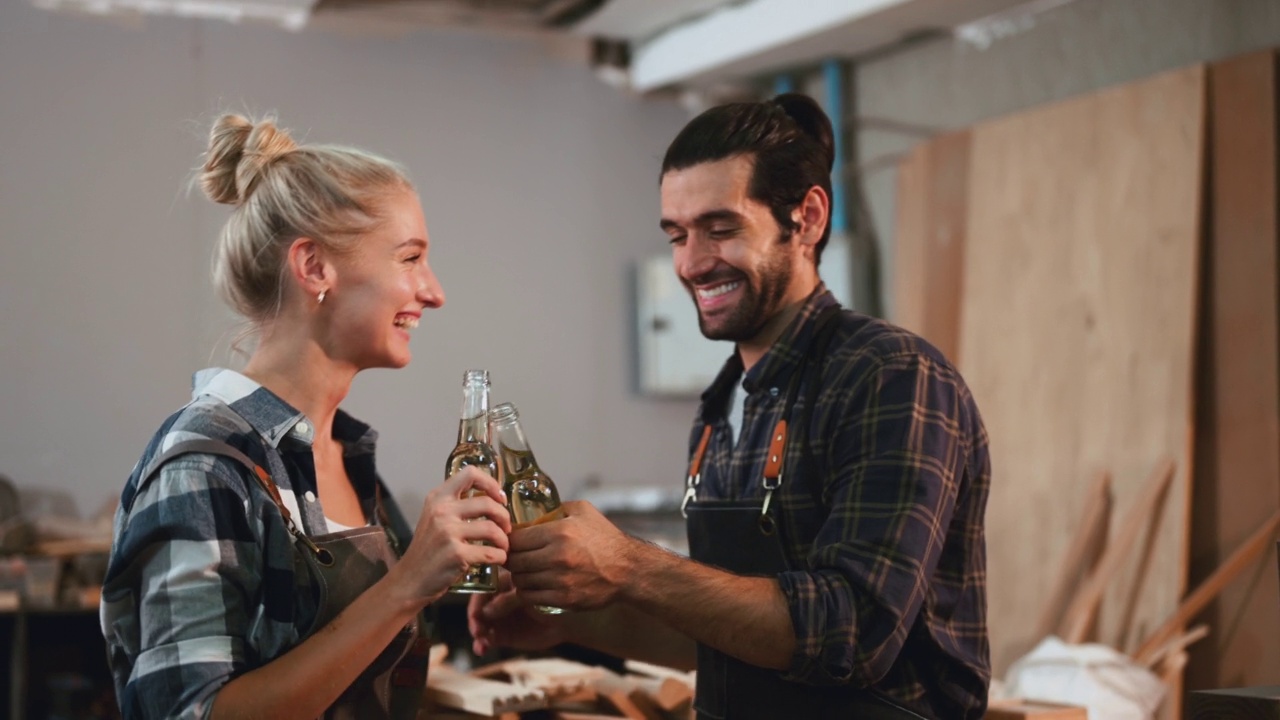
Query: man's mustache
(715,276)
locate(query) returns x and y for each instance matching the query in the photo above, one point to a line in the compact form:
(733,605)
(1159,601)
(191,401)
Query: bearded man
(838,473)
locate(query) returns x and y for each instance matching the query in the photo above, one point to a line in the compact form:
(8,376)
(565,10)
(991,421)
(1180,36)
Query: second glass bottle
(532,497)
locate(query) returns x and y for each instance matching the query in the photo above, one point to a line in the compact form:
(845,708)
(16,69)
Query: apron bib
(342,566)
(742,537)
(360,557)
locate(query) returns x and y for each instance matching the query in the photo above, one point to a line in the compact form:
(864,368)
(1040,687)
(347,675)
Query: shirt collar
(717,393)
(788,351)
(270,416)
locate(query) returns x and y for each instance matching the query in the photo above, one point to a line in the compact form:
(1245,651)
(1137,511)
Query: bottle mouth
(475,377)
(503,411)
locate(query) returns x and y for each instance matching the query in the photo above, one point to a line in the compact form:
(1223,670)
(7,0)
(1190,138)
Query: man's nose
(694,259)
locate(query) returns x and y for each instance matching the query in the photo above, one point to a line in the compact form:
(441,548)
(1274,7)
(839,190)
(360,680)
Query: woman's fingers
(482,555)
(486,531)
(454,497)
(470,479)
(484,507)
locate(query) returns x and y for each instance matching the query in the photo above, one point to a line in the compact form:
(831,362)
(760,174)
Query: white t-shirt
(335,526)
(737,408)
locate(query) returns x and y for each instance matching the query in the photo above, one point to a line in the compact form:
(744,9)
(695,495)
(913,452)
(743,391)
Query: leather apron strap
(342,566)
(741,536)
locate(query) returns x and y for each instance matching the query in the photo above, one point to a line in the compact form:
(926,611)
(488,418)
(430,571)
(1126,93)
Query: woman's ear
(309,267)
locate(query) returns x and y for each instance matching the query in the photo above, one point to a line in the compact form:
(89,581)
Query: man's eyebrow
(705,218)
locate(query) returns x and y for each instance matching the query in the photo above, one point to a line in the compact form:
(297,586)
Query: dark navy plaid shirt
(887,587)
(204,583)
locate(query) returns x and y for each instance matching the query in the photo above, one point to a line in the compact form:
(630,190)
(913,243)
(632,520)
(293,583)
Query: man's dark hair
(788,140)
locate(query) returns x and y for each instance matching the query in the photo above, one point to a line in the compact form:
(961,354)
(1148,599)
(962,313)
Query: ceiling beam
(637,20)
(290,14)
(764,36)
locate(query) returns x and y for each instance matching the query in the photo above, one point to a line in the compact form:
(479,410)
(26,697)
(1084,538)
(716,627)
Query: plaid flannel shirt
(887,578)
(204,582)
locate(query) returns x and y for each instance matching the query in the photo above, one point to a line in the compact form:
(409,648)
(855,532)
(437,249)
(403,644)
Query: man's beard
(757,305)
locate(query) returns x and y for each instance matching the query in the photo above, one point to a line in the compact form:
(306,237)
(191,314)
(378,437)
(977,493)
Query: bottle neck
(474,426)
(517,456)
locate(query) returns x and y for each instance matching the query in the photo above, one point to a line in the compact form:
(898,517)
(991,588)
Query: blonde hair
(283,191)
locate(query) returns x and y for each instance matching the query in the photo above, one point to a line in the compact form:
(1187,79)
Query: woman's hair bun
(240,152)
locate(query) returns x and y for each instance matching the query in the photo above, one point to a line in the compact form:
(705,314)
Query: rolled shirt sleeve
(177,601)
(893,462)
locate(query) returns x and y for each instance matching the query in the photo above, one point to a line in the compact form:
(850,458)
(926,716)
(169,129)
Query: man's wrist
(645,564)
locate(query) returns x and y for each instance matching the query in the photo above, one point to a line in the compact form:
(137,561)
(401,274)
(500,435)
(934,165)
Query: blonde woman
(259,567)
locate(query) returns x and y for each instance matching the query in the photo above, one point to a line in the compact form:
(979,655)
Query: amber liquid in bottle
(532,497)
(473,449)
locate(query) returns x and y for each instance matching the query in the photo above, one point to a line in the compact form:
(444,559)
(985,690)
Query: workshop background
(1075,199)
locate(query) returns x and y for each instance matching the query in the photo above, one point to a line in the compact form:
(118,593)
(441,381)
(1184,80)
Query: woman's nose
(431,292)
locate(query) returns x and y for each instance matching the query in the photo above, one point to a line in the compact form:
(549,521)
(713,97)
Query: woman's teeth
(407,322)
(719,290)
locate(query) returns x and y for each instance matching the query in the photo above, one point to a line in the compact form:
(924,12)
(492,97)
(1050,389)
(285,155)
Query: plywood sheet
(1077,332)
(933,184)
(1237,485)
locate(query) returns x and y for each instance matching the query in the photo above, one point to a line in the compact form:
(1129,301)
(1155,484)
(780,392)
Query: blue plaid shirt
(204,583)
(887,586)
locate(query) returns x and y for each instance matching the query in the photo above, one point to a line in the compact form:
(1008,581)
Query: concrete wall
(539,183)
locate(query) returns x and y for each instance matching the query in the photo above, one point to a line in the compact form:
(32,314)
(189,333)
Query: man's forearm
(627,632)
(744,617)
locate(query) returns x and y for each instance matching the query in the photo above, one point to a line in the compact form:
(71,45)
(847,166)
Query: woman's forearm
(305,681)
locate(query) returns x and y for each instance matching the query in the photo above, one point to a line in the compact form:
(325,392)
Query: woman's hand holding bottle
(444,542)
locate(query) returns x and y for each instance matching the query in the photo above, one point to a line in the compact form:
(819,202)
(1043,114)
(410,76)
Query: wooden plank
(1178,644)
(1082,556)
(1077,331)
(668,694)
(1238,425)
(1034,710)
(912,203)
(929,242)
(1084,608)
(449,688)
(556,677)
(72,547)
(640,667)
(1246,555)
(627,697)
(437,655)
(1170,672)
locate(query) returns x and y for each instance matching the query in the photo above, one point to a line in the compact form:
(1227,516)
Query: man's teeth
(719,289)
(407,322)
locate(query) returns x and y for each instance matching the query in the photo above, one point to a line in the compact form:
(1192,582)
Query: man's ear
(811,216)
(309,266)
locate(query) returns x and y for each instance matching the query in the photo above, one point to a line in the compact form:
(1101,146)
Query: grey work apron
(741,537)
(342,566)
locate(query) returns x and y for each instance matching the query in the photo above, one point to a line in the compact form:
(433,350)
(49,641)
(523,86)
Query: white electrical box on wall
(674,358)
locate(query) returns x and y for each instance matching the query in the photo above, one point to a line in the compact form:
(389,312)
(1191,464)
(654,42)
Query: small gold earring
(320,297)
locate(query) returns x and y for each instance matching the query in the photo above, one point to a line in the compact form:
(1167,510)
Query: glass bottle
(474,449)
(532,497)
